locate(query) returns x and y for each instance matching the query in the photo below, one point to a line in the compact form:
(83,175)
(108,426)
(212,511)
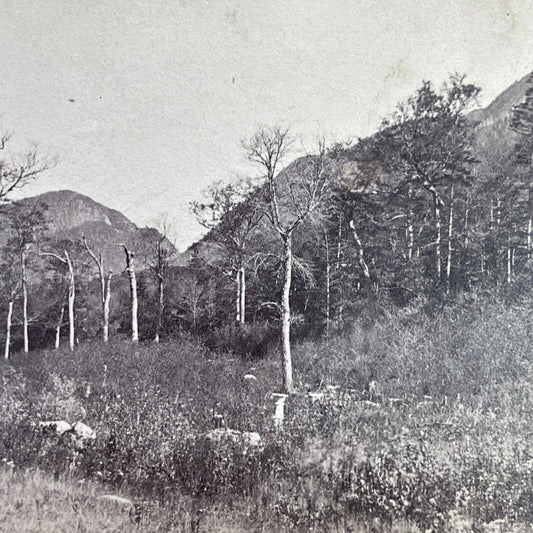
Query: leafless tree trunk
(410,237)
(509,262)
(450,240)
(360,252)
(328,285)
(286,313)
(241,295)
(71,299)
(304,193)
(58,327)
(339,240)
(529,221)
(24,287)
(160,308)
(130,269)
(106,302)
(8,330)
(437,205)
(105,288)
(66,260)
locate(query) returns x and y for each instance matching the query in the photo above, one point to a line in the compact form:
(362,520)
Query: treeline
(419,212)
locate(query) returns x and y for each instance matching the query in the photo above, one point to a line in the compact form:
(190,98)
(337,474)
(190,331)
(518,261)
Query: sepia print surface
(266,266)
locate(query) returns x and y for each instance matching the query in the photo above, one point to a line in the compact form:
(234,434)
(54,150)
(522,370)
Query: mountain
(493,132)
(71,216)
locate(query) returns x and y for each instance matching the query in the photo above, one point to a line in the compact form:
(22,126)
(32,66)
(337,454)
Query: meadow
(417,420)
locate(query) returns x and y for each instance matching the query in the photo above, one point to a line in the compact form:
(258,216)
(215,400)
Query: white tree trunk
(410,234)
(105,310)
(24,302)
(529,222)
(242,296)
(286,315)
(71,300)
(160,308)
(8,330)
(58,328)
(339,249)
(360,252)
(328,285)
(238,297)
(509,262)
(438,234)
(450,241)
(130,268)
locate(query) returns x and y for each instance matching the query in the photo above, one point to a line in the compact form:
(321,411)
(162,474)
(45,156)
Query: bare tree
(160,258)
(105,287)
(67,261)
(10,289)
(291,197)
(130,269)
(25,223)
(18,170)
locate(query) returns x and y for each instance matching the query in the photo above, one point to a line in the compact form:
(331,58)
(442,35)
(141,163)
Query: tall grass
(422,423)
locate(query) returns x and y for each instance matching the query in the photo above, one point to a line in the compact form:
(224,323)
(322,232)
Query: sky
(146,102)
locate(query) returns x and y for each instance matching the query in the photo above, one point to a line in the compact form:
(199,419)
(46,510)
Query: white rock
(249,378)
(83,431)
(251,438)
(248,438)
(60,426)
(315,395)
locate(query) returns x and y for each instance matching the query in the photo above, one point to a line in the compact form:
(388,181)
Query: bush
(416,420)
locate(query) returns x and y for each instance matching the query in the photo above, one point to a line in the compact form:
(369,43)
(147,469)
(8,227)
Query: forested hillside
(348,348)
(434,204)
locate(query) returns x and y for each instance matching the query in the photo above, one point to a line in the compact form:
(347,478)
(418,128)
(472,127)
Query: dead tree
(67,261)
(291,196)
(130,269)
(105,287)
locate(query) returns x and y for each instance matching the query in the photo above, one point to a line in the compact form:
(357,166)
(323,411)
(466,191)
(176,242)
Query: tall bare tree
(66,260)
(9,289)
(25,224)
(160,257)
(290,197)
(130,269)
(105,287)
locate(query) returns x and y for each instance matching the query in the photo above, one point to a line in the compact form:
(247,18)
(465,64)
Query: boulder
(59,426)
(83,431)
(249,378)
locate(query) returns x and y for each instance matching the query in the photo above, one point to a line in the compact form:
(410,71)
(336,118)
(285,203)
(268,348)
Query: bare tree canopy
(17,170)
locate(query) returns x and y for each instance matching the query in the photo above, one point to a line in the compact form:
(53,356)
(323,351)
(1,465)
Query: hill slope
(71,216)
(494,135)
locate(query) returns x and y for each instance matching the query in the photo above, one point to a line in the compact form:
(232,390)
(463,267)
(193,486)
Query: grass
(420,424)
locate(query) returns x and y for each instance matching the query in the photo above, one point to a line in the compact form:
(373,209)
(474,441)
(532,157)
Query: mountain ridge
(71,215)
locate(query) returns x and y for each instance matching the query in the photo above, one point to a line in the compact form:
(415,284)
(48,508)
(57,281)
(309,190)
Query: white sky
(164,91)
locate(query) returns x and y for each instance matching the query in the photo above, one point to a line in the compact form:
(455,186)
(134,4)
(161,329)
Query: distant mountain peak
(71,216)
